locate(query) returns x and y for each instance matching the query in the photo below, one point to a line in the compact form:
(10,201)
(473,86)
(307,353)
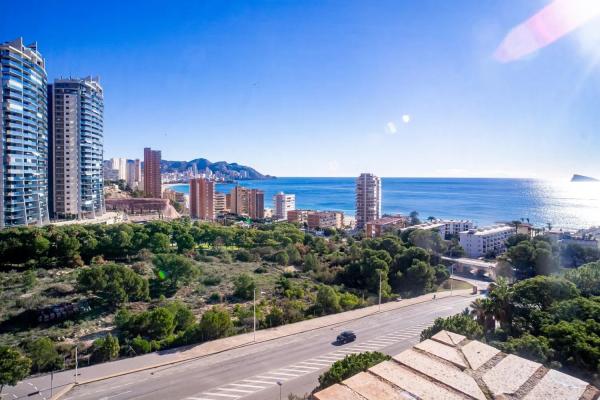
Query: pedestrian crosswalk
(245,387)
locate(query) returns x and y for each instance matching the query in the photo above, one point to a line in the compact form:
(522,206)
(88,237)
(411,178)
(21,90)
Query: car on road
(346,336)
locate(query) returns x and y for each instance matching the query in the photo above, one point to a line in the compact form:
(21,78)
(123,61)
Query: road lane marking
(236,396)
(237,390)
(256,381)
(284,374)
(315,363)
(244,385)
(114,395)
(275,379)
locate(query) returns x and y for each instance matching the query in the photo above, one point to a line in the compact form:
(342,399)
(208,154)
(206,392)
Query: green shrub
(244,287)
(349,366)
(140,345)
(44,356)
(463,324)
(212,280)
(105,349)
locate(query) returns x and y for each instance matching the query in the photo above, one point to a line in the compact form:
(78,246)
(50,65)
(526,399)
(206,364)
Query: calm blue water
(485,201)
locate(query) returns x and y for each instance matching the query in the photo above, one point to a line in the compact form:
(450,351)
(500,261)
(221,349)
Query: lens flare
(547,26)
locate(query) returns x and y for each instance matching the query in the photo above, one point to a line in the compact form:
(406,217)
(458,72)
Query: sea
(486,201)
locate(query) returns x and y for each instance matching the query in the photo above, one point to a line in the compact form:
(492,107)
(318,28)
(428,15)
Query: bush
(29,279)
(215,297)
(244,287)
(13,366)
(212,280)
(327,300)
(215,323)
(349,366)
(243,255)
(260,270)
(140,345)
(349,301)
(463,324)
(114,283)
(105,349)
(530,347)
(44,356)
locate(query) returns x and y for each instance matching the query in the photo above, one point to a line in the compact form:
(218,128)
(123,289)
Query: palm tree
(478,310)
(500,296)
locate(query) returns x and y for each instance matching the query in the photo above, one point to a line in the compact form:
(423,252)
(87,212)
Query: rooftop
(449,366)
(490,230)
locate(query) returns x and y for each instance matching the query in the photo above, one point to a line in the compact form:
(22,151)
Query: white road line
(384,342)
(297,370)
(237,390)
(270,377)
(283,373)
(199,398)
(244,385)
(365,348)
(305,367)
(315,363)
(223,395)
(326,358)
(114,395)
(255,381)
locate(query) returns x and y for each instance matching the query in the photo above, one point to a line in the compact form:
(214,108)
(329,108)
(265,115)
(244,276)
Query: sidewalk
(63,381)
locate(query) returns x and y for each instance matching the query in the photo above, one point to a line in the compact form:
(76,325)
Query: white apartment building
(282,204)
(478,242)
(368,199)
(455,227)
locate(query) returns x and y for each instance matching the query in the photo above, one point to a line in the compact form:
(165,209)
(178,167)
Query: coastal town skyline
(370,102)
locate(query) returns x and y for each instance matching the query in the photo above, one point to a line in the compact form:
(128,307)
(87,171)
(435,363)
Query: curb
(68,387)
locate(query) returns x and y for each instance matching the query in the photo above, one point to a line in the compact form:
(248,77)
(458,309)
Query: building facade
(202,199)
(282,204)
(325,219)
(256,204)
(483,241)
(24,134)
(152,178)
(368,199)
(220,203)
(134,174)
(76,109)
(380,226)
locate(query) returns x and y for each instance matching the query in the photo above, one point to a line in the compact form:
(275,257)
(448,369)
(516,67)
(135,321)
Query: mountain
(230,171)
(581,178)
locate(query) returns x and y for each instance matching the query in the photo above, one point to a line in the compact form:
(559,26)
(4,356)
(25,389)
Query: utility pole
(451,280)
(254,313)
(379,290)
(280,384)
(51,382)
(76,364)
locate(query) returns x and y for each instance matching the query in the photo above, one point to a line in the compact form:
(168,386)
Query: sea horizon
(486,201)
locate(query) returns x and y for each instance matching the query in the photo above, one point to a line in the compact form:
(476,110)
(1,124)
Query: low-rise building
(482,241)
(298,216)
(380,226)
(325,219)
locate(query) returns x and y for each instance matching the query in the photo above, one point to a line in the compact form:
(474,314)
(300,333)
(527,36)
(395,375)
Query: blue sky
(319,88)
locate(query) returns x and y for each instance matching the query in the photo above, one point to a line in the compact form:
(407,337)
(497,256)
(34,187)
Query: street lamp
(379,290)
(254,312)
(451,280)
(280,384)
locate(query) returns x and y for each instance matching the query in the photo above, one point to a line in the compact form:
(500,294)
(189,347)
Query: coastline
(562,204)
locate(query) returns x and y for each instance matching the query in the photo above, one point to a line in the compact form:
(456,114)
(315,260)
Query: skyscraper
(76,110)
(202,198)
(152,180)
(283,203)
(368,199)
(24,135)
(134,173)
(256,204)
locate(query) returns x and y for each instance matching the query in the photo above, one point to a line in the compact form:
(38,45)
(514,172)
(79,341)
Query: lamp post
(451,280)
(254,312)
(379,308)
(280,384)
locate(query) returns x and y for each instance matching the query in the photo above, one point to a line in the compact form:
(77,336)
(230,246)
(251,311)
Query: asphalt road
(253,372)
